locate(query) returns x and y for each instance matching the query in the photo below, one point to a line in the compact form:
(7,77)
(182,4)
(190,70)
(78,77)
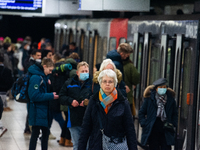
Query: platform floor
(15,139)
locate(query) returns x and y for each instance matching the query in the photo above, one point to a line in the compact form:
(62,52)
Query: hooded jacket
(118,122)
(38,89)
(148,112)
(116,58)
(120,86)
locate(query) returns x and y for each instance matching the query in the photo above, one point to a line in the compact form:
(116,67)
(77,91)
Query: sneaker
(51,136)
(2,131)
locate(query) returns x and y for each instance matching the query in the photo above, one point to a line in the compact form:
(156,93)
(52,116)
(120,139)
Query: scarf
(161,101)
(106,101)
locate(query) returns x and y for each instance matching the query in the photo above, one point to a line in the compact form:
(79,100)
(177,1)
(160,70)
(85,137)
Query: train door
(184,86)
(112,43)
(71,36)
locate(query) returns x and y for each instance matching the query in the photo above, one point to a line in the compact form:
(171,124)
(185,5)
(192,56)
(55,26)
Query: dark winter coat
(116,58)
(120,85)
(148,112)
(131,77)
(118,122)
(24,57)
(73,89)
(6,79)
(38,107)
(29,63)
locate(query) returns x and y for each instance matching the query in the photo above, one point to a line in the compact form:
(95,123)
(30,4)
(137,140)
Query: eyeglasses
(109,82)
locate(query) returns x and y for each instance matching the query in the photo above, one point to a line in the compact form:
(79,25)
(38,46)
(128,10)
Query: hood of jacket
(36,69)
(114,55)
(96,74)
(147,91)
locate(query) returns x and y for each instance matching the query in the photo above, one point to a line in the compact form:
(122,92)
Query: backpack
(20,88)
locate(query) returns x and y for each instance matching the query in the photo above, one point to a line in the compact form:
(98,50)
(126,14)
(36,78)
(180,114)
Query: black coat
(1,107)
(118,123)
(148,112)
(28,63)
(6,79)
(73,89)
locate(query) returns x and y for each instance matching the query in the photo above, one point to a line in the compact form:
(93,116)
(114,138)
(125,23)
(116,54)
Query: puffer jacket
(120,85)
(118,122)
(73,89)
(148,112)
(38,107)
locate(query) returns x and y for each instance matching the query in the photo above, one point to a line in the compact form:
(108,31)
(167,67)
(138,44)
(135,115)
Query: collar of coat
(96,74)
(147,91)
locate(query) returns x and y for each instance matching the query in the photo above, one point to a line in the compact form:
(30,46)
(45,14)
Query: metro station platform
(15,139)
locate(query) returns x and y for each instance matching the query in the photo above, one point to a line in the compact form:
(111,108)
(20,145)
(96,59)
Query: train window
(185,76)
(168,63)
(113,43)
(85,54)
(122,40)
(132,54)
(154,63)
(99,51)
(104,47)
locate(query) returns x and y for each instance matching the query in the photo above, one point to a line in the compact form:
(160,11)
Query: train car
(94,37)
(168,46)
(164,46)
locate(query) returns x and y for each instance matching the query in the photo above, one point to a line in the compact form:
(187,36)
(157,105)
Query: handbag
(169,127)
(112,143)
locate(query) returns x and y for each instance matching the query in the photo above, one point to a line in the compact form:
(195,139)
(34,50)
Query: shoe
(51,137)
(7,109)
(62,141)
(68,143)
(2,131)
(27,131)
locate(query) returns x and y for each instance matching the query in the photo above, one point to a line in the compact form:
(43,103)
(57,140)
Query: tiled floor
(15,139)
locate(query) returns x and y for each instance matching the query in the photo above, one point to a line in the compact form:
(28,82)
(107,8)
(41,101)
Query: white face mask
(28,48)
(38,60)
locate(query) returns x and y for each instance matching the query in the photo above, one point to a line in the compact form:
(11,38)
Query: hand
(55,96)
(127,89)
(75,103)
(82,104)
(49,81)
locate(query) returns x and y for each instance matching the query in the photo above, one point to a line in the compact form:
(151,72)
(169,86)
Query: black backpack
(20,88)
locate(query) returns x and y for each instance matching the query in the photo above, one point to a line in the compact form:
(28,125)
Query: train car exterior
(164,46)
(170,48)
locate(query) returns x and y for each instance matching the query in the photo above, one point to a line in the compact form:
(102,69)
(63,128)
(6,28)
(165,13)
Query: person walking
(38,107)
(74,93)
(109,111)
(158,116)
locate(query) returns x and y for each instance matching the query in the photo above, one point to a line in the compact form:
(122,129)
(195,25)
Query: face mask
(162,91)
(28,48)
(84,76)
(38,60)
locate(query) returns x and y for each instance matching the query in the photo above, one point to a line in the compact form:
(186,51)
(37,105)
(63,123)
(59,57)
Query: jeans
(58,117)
(75,134)
(35,135)
(3,97)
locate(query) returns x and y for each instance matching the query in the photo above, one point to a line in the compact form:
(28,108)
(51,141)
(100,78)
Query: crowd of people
(95,110)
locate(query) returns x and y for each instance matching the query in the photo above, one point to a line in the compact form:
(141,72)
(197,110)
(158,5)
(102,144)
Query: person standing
(73,94)
(158,116)
(38,107)
(131,78)
(117,56)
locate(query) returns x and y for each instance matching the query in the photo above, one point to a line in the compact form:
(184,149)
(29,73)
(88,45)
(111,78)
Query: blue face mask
(84,76)
(162,91)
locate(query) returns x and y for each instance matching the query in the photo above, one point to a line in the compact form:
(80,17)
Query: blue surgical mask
(162,91)
(84,76)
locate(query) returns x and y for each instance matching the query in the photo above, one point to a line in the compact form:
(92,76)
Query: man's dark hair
(35,51)
(73,43)
(6,45)
(57,56)
(35,45)
(1,57)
